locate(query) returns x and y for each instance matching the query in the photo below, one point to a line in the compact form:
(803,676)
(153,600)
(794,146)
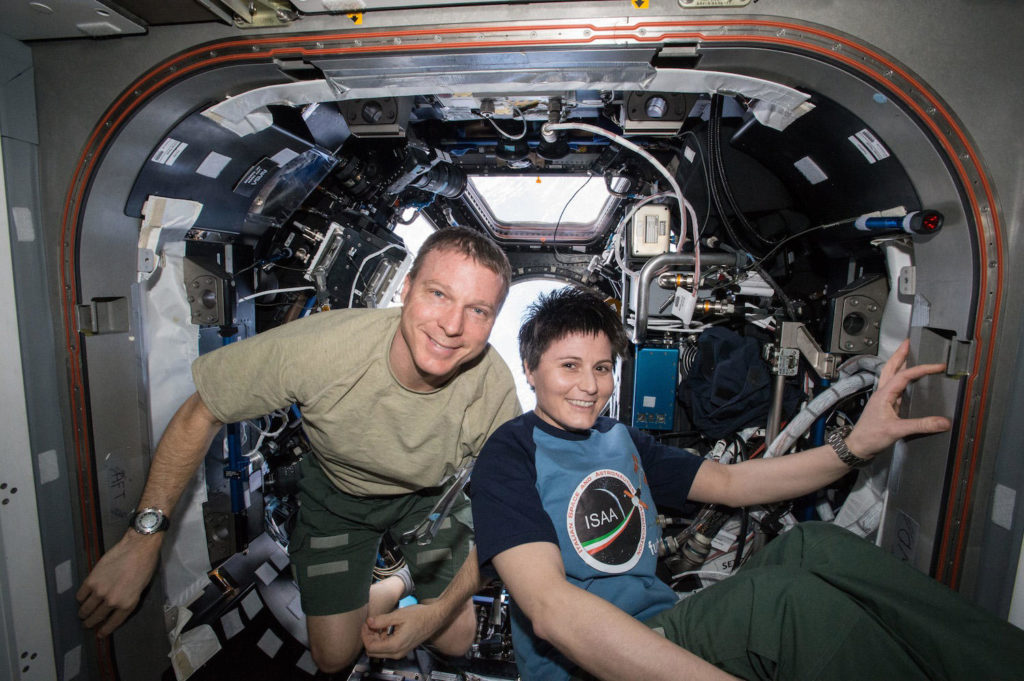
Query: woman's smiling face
(573,380)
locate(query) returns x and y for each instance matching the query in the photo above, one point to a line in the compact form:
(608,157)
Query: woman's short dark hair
(470,243)
(564,312)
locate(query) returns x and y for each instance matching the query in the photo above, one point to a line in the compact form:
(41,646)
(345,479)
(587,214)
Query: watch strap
(837,440)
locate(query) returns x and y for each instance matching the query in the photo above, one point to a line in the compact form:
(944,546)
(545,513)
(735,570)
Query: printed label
(873,144)
(169,151)
(862,149)
(254,177)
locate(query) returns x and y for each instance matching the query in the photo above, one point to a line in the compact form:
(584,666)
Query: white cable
(859,363)
(617,239)
(619,259)
(680,200)
(672,325)
(522,117)
(355,280)
(265,434)
(276,290)
(693,220)
(802,422)
(277,412)
(622,141)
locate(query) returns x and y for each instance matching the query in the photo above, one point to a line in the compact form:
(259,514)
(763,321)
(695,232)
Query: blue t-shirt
(588,493)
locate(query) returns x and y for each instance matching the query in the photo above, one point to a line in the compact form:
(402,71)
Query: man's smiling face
(447,314)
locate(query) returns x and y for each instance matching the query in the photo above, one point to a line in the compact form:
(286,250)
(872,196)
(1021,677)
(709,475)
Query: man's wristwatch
(837,438)
(149,521)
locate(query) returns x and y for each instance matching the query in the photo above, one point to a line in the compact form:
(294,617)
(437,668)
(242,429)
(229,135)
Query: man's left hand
(394,634)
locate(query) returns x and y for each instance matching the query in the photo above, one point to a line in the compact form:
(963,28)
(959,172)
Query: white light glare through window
(413,235)
(540,199)
(505,334)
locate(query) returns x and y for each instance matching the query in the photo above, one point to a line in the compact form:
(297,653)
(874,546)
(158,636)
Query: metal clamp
(796,335)
(426,530)
(794,340)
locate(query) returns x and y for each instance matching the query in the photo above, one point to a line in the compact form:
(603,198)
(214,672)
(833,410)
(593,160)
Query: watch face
(148,521)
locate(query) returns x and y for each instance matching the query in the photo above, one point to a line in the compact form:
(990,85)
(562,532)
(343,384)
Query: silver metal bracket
(206,291)
(330,246)
(796,340)
(102,315)
(857,316)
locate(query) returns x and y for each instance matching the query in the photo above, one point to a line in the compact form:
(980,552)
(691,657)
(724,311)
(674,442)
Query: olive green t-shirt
(371,435)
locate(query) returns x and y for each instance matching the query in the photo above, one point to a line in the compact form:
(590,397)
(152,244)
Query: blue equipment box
(654,388)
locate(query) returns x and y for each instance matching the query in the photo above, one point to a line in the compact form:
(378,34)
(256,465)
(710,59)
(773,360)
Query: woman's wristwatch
(837,438)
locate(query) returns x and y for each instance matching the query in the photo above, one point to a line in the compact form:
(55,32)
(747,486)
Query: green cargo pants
(820,603)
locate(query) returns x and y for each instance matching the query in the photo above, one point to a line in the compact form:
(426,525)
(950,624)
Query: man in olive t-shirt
(381,394)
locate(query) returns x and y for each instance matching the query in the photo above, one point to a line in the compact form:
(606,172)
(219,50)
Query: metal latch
(941,346)
(961,357)
(102,315)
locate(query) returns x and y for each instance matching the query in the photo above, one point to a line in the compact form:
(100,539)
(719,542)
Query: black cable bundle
(719,187)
